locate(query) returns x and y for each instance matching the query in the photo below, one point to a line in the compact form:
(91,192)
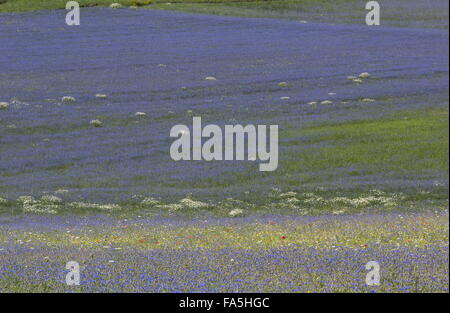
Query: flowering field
(82,130)
(86,174)
(265,254)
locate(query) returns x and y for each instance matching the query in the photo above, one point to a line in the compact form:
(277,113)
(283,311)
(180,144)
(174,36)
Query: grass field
(32,5)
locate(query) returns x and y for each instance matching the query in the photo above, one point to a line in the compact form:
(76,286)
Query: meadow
(86,175)
(270,254)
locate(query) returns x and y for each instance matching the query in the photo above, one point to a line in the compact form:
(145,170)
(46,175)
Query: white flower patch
(364,75)
(3,201)
(51,199)
(374,198)
(292,201)
(25,199)
(68,99)
(236,212)
(288,194)
(34,206)
(283,84)
(212,78)
(40,209)
(149,201)
(101,207)
(315,201)
(4,105)
(326,102)
(192,204)
(101,96)
(96,123)
(365,201)
(115,5)
(140,114)
(368,100)
(46,205)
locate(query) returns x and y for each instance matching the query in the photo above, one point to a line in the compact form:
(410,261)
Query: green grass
(325,11)
(408,141)
(262,8)
(35,5)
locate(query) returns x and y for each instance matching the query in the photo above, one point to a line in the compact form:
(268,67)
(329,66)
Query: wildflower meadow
(87,175)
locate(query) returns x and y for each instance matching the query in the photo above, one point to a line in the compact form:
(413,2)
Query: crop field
(86,174)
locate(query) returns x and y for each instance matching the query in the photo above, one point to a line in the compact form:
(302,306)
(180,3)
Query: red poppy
(283,237)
